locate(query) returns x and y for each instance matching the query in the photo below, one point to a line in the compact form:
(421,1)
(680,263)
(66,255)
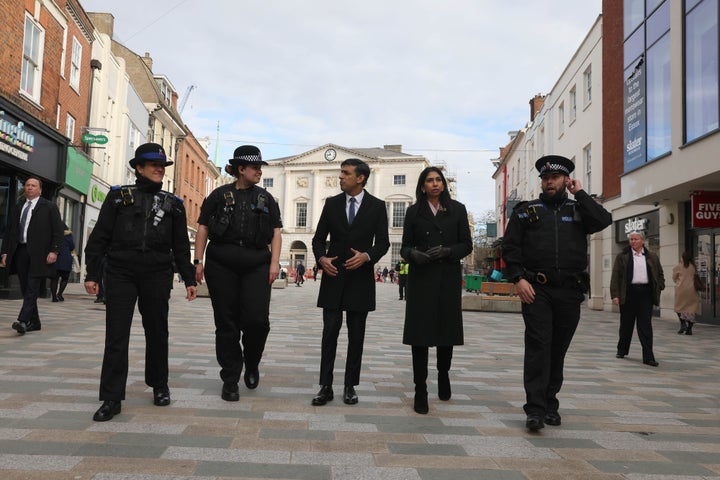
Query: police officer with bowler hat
(140,230)
(241,220)
(545,250)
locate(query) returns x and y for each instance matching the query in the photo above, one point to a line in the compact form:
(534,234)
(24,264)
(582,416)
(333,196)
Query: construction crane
(185,98)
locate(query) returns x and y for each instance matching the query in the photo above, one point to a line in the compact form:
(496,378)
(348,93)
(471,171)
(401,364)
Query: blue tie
(351,210)
(23,221)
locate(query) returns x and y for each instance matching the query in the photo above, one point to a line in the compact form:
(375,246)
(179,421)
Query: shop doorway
(706,250)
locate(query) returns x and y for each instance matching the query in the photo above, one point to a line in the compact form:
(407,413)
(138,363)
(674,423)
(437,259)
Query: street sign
(90,138)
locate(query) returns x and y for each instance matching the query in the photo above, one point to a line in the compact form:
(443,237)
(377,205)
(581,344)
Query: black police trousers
(238,279)
(151,290)
(550,323)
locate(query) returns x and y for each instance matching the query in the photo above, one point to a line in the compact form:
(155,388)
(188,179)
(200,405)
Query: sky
(445,79)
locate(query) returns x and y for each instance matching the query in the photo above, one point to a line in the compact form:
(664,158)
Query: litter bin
(473,282)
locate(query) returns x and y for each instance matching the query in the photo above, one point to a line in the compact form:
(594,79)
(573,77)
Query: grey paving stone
(426,449)
(475,474)
(659,468)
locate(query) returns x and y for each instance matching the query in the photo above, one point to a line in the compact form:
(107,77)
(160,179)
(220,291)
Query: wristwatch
(197,262)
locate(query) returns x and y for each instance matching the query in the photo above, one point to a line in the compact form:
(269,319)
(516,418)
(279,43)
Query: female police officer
(240,219)
(141,230)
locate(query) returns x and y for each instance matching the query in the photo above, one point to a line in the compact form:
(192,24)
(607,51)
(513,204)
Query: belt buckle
(541,278)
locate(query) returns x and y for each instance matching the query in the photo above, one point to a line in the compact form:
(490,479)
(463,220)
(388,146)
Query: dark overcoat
(433,312)
(45,235)
(352,290)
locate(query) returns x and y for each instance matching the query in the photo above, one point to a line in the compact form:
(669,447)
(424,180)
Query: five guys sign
(705,209)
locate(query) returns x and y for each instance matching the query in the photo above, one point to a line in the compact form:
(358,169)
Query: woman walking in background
(63,266)
(686,297)
(436,236)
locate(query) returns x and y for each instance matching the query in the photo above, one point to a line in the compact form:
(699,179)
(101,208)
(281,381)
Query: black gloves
(439,252)
(419,257)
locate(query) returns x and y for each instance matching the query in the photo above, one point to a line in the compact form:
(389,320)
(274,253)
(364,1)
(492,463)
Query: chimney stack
(535,105)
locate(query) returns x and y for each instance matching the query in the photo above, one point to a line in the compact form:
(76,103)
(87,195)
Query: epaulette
(126,195)
(520,206)
(172,195)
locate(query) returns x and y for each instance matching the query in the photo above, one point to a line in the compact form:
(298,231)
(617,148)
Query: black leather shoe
(252,378)
(20,327)
(553,418)
(349,395)
(420,404)
(534,423)
(107,411)
(33,327)
(324,395)
(161,396)
(230,392)
(652,363)
(619,355)
(55,299)
(60,297)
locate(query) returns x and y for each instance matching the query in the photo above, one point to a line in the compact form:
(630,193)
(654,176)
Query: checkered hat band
(248,158)
(554,167)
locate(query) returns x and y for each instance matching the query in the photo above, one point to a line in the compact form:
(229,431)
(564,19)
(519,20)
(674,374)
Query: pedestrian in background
(635,285)
(140,230)
(687,299)
(241,220)
(299,274)
(30,248)
(357,225)
(402,269)
(436,236)
(63,267)
(545,250)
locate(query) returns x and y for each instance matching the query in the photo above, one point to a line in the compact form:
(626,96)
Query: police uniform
(545,243)
(141,231)
(241,224)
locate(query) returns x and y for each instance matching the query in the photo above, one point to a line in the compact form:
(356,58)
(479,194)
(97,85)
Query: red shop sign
(705,209)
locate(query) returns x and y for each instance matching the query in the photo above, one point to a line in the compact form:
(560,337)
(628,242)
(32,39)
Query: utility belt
(560,278)
(239,243)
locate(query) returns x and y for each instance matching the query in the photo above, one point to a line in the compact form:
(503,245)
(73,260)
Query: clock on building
(330,154)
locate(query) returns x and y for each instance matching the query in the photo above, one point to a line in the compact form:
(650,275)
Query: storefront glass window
(658,98)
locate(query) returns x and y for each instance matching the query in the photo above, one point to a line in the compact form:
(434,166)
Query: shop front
(704,237)
(27,147)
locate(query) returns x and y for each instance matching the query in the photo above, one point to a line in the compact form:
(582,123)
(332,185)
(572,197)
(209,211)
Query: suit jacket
(45,234)
(351,289)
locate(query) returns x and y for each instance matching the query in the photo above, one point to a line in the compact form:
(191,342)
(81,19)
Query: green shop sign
(90,138)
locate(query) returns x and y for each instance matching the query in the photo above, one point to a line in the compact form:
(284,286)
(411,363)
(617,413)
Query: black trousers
(402,283)
(332,322)
(238,280)
(637,307)
(124,287)
(29,287)
(420,363)
(550,324)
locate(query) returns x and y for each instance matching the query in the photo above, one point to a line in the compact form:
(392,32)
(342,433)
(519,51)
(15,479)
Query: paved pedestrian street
(620,418)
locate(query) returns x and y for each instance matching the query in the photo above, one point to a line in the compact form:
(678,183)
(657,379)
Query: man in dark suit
(358,228)
(32,242)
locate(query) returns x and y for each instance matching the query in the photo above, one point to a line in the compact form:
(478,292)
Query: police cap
(554,164)
(150,152)
(247,155)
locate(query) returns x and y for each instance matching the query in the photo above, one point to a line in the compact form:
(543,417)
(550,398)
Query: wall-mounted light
(670,219)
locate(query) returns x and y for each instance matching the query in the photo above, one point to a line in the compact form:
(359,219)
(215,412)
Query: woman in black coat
(436,236)
(63,266)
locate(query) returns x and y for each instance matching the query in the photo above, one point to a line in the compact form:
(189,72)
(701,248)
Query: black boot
(63,284)
(54,288)
(688,330)
(420,372)
(683,327)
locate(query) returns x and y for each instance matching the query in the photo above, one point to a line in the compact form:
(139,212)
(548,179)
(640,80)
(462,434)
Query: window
(398,179)
(75,64)
(267,182)
(587,159)
(573,104)
(702,80)
(394,254)
(301,214)
(70,127)
(561,118)
(31,74)
(587,85)
(164,91)
(657,80)
(398,214)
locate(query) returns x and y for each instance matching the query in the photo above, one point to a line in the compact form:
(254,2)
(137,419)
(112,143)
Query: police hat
(150,152)
(554,164)
(247,155)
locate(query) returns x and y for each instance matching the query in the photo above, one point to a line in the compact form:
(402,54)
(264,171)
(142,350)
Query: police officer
(545,250)
(240,219)
(140,231)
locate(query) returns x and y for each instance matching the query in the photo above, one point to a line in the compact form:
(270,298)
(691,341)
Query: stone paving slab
(621,419)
